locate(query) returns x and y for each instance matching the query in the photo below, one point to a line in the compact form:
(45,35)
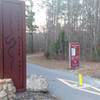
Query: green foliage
(96,54)
(30,16)
(62,42)
(59,47)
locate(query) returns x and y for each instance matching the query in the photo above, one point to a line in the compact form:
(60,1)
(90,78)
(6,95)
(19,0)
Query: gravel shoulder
(35,96)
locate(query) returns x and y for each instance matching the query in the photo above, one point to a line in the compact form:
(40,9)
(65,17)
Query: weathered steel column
(12,42)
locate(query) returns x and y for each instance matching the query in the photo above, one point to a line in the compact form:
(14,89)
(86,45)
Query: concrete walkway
(62,90)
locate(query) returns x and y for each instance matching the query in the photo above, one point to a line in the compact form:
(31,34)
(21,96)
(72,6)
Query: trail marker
(80,79)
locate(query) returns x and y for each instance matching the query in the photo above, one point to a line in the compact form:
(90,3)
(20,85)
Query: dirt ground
(87,68)
(40,59)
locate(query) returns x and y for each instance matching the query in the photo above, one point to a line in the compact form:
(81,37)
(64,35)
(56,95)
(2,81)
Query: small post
(80,80)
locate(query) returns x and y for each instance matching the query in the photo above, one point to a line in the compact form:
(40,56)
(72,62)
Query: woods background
(68,21)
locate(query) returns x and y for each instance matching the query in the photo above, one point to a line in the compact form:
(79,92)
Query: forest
(71,21)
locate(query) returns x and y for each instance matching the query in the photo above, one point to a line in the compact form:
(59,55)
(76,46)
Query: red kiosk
(74,55)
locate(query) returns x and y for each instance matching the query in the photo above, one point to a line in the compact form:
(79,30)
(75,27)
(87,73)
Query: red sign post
(74,55)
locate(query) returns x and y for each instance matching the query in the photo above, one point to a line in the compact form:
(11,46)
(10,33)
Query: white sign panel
(73,51)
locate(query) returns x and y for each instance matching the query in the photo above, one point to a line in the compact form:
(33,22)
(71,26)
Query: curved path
(60,88)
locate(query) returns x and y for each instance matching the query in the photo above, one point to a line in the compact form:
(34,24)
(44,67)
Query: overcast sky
(40,13)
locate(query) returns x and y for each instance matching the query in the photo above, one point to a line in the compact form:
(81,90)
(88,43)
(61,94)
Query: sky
(40,13)
(40,18)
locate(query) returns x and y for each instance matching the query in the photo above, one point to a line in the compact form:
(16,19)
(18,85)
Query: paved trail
(58,88)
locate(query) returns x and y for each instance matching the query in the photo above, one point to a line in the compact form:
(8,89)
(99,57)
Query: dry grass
(90,68)
(87,68)
(49,63)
